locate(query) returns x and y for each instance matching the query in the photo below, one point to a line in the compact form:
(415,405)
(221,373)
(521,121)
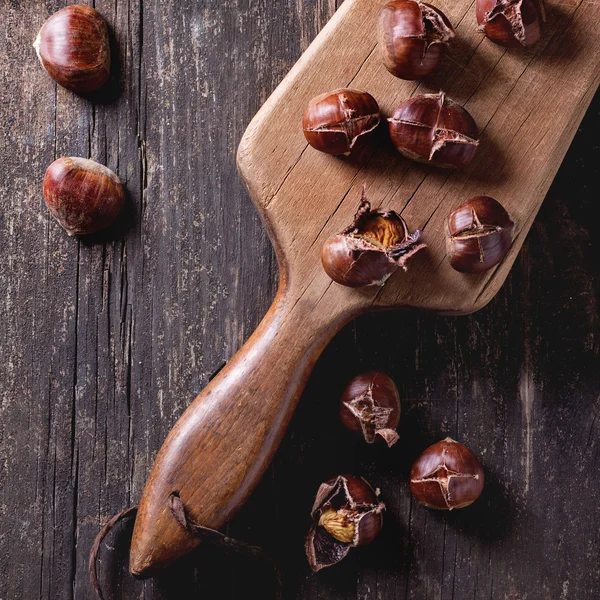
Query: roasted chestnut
(334,122)
(479,235)
(82,195)
(371,249)
(511,23)
(446,476)
(413,37)
(370,406)
(346,514)
(73,46)
(435,130)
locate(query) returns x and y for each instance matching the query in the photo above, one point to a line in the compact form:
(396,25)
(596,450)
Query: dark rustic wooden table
(103,342)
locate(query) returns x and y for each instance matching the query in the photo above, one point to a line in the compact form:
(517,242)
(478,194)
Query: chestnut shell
(446,476)
(479,234)
(73,46)
(354,263)
(333,122)
(433,129)
(355,496)
(82,195)
(370,406)
(413,37)
(353,259)
(511,23)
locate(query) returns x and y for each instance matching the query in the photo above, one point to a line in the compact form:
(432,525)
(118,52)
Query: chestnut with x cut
(479,235)
(413,37)
(435,130)
(370,406)
(223,443)
(511,23)
(446,476)
(334,122)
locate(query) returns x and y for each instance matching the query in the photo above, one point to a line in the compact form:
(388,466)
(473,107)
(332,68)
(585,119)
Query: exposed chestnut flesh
(346,514)
(370,250)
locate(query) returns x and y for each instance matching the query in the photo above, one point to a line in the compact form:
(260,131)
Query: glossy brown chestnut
(346,514)
(446,476)
(511,23)
(370,406)
(82,195)
(479,235)
(413,37)
(73,46)
(435,130)
(368,252)
(335,121)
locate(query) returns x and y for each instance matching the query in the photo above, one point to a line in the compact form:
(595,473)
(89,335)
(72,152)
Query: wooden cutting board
(527,104)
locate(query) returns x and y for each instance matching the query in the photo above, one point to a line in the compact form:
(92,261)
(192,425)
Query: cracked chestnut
(346,514)
(334,122)
(435,130)
(413,37)
(511,23)
(479,235)
(370,406)
(446,476)
(370,250)
(82,195)
(73,46)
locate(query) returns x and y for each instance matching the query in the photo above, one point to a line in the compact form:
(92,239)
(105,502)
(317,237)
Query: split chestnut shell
(446,476)
(479,235)
(368,252)
(511,23)
(370,406)
(413,37)
(346,513)
(334,122)
(435,130)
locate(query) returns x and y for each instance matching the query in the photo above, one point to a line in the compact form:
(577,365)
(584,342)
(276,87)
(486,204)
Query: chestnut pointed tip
(37,42)
(73,46)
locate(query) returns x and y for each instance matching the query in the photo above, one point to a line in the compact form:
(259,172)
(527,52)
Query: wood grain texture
(526,120)
(103,344)
(223,443)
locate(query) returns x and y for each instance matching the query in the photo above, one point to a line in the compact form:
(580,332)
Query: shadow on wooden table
(205,573)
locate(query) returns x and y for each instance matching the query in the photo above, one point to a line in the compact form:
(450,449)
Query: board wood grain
(104,344)
(527,104)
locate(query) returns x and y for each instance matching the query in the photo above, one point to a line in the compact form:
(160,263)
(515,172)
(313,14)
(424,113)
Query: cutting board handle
(219,449)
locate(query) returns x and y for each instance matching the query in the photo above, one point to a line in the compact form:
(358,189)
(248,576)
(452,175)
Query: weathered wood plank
(102,345)
(222,444)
